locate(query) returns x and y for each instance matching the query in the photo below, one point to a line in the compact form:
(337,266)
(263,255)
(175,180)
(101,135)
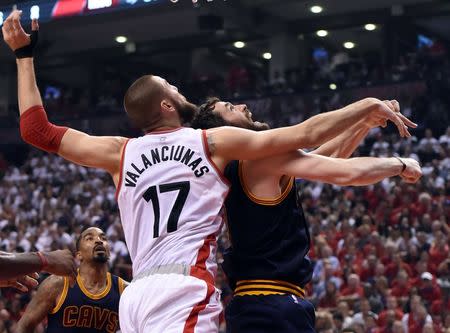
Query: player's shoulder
(53,285)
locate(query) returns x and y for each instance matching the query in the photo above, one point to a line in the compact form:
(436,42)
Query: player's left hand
(13,32)
(24,283)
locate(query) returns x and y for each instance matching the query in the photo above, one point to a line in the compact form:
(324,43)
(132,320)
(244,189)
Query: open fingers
(29,281)
(407,122)
(16,23)
(19,286)
(34,25)
(402,129)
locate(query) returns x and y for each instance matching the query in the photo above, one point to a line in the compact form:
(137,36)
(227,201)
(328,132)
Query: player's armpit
(93,151)
(41,304)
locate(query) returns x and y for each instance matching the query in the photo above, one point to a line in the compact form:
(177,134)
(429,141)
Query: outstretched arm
(41,304)
(16,265)
(346,143)
(78,147)
(358,171)
(229,143)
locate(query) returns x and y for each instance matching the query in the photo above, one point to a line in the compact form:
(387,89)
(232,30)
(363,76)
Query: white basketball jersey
(170,197)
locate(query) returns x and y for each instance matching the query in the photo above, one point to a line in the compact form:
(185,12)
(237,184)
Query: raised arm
(357,171)
(43,302)
(78,147)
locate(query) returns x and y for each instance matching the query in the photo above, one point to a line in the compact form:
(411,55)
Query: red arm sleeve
(36,130)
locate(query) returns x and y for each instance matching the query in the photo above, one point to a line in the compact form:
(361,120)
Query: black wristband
(27,50)
(404,165)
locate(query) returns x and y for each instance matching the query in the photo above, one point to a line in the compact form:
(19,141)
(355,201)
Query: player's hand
(389,111)
(61,262)
(13,32)
(413,171)
(24,283)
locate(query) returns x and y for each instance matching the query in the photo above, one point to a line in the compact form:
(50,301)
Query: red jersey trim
(119,185)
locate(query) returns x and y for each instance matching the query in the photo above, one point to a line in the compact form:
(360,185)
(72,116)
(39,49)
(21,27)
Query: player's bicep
(240,144)
(42,303)
(91,151)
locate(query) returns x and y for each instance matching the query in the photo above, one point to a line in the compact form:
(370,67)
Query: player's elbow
(36,130)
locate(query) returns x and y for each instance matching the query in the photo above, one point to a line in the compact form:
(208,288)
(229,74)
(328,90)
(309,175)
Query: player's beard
(100,258)
(258,126)
(186,111)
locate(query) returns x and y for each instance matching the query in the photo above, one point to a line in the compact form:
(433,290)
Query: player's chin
(101,257)
(259,126)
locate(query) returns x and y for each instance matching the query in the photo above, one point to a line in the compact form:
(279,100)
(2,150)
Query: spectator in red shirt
(439,250)
(330,297)
(401,285)
(392,306)
(415,321)
(393,268)
(369,266)
(353,290)
(429,290)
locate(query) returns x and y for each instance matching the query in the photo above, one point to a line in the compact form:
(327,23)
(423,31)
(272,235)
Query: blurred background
(381,253)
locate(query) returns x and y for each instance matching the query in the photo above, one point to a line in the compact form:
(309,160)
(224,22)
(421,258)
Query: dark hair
(142,101)
(206,117)
(78,241)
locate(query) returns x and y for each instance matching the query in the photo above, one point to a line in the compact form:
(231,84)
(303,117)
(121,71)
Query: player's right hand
(13,32)
(413,171)
(61,262)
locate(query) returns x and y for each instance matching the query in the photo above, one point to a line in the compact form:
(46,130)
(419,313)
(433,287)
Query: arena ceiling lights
(349,45)
(370,27)
(316,9)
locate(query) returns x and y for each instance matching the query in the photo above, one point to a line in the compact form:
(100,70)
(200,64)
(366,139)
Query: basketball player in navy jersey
(268,265)
(91,305)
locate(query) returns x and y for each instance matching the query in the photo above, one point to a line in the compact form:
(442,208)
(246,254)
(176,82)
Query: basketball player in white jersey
(169,186)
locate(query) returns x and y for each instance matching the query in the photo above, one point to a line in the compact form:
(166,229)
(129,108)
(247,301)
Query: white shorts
(170,303)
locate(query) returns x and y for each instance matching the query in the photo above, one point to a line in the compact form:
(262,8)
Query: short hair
(142,102)
(80,236)
(206,117)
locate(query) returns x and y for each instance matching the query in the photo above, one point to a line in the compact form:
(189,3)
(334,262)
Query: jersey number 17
(152,195)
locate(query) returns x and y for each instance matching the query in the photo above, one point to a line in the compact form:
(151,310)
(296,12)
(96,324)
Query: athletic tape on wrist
(28,50)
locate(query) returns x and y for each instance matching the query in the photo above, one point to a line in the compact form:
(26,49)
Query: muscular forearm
(344,144)
(28,92)
(370,170)
(13,265)
(326,126)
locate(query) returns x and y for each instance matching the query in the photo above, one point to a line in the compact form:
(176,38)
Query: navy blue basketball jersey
(270,239)
(79,311)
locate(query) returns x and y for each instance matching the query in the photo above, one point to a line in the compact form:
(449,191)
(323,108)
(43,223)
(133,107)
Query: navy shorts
(270,314)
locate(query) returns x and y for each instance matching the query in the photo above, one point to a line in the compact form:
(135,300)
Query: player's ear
(78,256)
(166,105)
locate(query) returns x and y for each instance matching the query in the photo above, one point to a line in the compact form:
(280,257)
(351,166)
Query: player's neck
(164,125)
(94,274)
